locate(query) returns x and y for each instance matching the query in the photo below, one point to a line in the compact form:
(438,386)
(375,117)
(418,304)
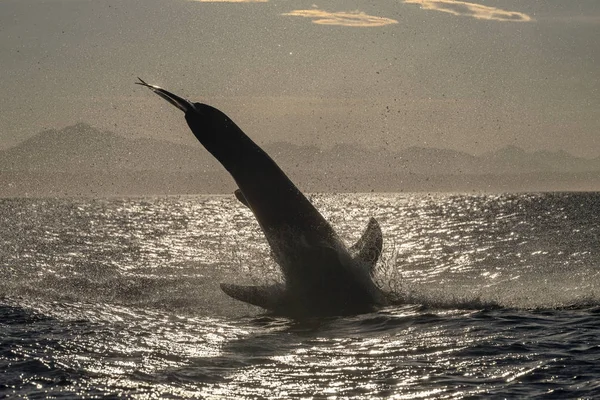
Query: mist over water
(497,294)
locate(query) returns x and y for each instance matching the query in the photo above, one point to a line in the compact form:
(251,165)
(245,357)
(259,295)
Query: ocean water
(497,295)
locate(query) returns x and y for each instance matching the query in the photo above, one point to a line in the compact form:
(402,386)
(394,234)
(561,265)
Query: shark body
(321,275)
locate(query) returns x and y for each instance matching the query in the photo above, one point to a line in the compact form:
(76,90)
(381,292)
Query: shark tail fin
(368,248)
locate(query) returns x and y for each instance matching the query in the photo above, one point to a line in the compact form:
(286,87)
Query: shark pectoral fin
(369,246)
(269,297)
(240,196)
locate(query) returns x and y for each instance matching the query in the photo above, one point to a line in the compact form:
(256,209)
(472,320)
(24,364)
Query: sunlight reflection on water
(120,297)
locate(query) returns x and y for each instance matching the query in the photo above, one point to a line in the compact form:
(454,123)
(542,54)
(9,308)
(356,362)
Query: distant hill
(81,147)
(81,160)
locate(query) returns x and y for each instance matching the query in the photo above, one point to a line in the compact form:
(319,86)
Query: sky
(465,75)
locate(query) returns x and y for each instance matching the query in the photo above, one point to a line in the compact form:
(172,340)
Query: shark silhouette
(322,277)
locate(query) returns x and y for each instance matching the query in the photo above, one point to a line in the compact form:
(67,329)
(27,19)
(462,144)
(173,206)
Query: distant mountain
(82,160)
(82,148)
(512,159)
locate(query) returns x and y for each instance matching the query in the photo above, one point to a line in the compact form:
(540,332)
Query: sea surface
(497,296)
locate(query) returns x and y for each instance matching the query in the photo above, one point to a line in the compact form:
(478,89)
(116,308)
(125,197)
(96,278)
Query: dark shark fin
(269,297)
(240,196)
(369,246)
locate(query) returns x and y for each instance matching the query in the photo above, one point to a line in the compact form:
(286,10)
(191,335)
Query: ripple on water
(120,297)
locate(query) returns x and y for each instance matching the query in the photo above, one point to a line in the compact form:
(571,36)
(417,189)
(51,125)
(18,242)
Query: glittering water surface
(498,296)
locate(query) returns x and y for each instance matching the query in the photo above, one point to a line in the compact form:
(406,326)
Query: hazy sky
(472,76)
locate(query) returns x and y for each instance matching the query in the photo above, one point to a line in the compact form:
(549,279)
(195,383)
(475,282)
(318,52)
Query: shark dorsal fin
(369,246)
(240,196)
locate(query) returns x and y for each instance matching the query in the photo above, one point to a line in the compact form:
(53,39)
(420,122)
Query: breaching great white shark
(322,276)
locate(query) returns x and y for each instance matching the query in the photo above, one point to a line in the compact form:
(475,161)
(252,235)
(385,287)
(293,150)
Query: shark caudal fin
(369,246)
(269,297)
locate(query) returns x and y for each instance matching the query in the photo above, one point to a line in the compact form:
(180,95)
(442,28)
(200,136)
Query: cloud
(230,1)
(349,18)
(457,7)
